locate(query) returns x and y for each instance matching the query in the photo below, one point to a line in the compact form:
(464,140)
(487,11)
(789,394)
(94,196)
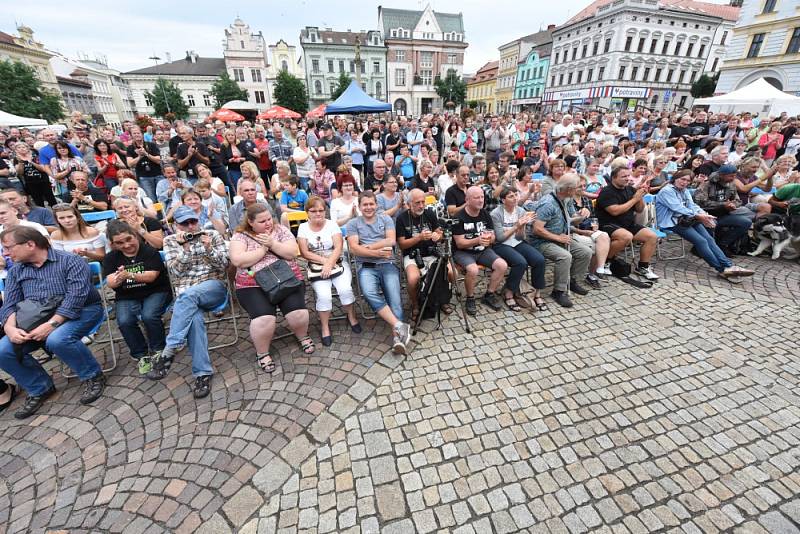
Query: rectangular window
(574,53)
(332,88)
(646,74)
(147,100)
(580,77)
(330,65)
(426,59)
(363,66)
(427,76)
(260,97)
(352,67)
(634,72)
(561,79)
(555,59)
(206,100)
(589,75)
(769,6)
(653,44)
(724,37)
(621,73)
(376,67)
(693,76)
(584,50)
(607,45)
(452,59)
(714,65)
(255,74)
(755,45)
(400,77)
(552,81)
(681,76)
(701,51)
(341,65)
(190,100)
(400,55)
(678,46)
(689,50)
(628,42)
(595,46)
(600,73)
(665,47)
(670,73)
(640,48)
(794,42)
(569,78)
(238,75)
(315,66)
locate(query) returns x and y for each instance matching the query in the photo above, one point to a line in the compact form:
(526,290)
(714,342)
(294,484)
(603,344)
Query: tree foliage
(291,93)
(342,84)
(225,90)
(167,99)
(451,88)
(21,93)
(704,86)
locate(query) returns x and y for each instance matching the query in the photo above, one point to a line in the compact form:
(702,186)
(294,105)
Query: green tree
(21,93)
(343,84)
(452,88)
(704,86)
(473,104)
(225,90)
(290,93)
(167,98)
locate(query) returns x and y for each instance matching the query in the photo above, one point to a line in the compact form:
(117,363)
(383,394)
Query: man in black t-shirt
(698,130)
(145,158)
(136,273)
(330,148)
(190,153)
(417,231)
(681,131)
(474,236)
(83,195)
(455,197)
(616,209)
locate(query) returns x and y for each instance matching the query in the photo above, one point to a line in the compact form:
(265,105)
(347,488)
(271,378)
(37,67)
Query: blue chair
(96,273)
(759,191)
(650,203)
(98,216)
(537,176)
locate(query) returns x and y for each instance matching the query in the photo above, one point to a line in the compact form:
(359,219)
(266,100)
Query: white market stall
(758,97)
(8,120)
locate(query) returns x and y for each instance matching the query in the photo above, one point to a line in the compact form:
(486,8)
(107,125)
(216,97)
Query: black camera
(191,236)
(418,259)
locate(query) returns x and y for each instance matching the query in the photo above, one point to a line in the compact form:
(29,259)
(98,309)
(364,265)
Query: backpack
(440,291)
(622,270)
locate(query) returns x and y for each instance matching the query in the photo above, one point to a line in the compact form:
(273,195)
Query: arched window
(284,65)
(318,87)
(378,90)
(400,106)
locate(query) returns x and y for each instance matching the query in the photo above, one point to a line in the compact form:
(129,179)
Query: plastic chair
(295,219)
(537,176)
(96,273)
(650,203)
(98,216)
(430,200)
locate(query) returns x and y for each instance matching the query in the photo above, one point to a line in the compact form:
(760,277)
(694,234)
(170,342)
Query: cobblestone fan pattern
(671,409)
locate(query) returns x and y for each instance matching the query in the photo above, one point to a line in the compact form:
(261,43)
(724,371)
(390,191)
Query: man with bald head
(417,231)
(474,236)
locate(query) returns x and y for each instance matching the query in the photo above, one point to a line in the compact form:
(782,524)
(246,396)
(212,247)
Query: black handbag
(277,280)
(32,313)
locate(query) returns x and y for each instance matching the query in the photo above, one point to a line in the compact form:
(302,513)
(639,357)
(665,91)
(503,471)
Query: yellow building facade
(481,88)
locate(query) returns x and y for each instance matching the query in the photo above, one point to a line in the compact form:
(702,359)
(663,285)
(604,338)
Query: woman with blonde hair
(258,243)
(74,235)
(149,228)
(232,154)
(250,170)
(128,187)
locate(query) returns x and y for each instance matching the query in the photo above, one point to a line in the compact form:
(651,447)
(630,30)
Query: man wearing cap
(197,261)
(330,148)
(718,197)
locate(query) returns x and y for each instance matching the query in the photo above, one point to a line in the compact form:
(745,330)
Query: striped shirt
(62,273)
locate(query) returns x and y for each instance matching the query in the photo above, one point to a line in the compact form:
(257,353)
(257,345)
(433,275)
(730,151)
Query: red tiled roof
(485,73)
(6,38)
(725,12)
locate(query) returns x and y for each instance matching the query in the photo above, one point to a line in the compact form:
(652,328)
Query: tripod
(445,258)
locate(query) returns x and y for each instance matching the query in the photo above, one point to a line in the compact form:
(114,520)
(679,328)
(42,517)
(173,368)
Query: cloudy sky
(128,33)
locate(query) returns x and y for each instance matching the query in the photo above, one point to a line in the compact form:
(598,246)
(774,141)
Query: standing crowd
(196,215)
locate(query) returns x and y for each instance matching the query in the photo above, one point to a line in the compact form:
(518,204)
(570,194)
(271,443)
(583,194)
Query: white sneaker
(647,273)
(402,335)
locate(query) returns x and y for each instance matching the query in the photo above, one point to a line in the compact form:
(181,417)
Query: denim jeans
(151,310)
(233,179)
(518,259)
(149,183)
(731,228)
(187,322)
(65,342)
(698,236)
(384,277)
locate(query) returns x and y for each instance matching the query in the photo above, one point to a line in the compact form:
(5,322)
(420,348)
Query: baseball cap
(727,169)
(183,214)
(326,126)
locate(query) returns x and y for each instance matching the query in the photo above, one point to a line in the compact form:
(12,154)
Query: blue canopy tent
(355,100)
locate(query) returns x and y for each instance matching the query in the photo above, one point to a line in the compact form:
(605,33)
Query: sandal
(307,345)
(512,304)
(266,363)
(540,303)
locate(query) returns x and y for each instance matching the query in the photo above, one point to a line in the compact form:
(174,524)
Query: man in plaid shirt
(197,261)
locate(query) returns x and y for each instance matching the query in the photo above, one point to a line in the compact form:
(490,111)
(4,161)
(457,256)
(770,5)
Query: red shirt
(264,164)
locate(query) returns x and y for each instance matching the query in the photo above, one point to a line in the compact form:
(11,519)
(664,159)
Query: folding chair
(99,284)
(650,205)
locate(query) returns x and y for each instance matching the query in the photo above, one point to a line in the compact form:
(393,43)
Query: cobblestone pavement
(669,409)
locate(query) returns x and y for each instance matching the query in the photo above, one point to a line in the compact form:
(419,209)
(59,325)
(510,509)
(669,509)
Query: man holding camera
(418,232)
(197,261)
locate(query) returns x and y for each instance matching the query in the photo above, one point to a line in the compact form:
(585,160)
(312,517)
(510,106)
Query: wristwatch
(53,323)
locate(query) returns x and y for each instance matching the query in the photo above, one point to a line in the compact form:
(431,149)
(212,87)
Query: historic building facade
(630,53)
(246,61)
(423,46)
(481,88)
(25,49)
(531,74)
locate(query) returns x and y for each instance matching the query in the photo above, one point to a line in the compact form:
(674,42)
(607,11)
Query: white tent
(760,97)
(7,119)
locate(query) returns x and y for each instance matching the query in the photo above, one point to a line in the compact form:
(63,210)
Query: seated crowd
(194,215)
